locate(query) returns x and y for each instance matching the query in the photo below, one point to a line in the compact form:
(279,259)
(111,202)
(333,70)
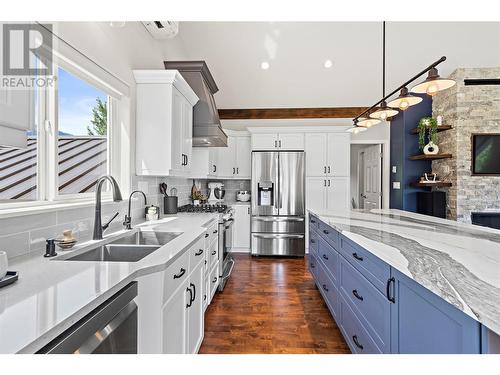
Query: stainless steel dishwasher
(111,328)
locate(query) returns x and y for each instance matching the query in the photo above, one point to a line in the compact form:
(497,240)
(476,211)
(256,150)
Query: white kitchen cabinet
(327,193)
(204,162)
(277,141)
(164,123)
(174,316)
(234,161)
(195,310)
(241,228)
(327,154)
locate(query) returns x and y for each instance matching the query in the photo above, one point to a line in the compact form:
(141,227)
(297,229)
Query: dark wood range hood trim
(289,113)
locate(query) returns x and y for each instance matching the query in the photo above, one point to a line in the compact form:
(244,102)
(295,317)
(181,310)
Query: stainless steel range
(226,220)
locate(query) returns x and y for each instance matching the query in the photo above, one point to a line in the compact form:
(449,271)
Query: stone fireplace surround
(468,109)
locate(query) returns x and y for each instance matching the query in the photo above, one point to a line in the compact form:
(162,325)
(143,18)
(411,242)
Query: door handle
(324,182)
(248,210)
(187,160)
(215,168)
(237,170)
(190,297)
(278,236)
(234,170)
(390,297)
(182,163)
(356,294)
(180,274)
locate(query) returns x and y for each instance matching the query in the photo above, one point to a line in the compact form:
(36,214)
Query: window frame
(47,196)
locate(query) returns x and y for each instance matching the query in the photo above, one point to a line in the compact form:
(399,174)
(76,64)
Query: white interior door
(371,195)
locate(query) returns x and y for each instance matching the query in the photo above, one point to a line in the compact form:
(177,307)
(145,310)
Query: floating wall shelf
(430,157)
(441,128)
(430,184)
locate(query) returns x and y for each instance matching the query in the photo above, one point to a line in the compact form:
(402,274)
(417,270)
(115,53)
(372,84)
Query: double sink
(129,248)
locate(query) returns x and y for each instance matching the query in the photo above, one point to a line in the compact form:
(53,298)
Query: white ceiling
(296,52)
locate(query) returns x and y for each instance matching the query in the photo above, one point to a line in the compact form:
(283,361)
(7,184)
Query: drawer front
(371,306)
(313,266)
(330,258)
(197,253)
(211,234)
(313,241)
(213,254)
(175,274)
(213,281)
(276,224)
(331,235)
(369,265)
(357,337)
(278,244)
(329,291)
(313,222)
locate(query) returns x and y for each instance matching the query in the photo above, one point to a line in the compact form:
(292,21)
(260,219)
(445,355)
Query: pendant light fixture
(356,128)
(383,112)
(433,83)
(404,100)
(367,122)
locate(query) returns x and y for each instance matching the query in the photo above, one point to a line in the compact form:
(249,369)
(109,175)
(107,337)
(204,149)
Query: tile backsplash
(25,234)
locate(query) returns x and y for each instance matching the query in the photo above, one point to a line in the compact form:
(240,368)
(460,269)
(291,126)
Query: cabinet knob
(325,231)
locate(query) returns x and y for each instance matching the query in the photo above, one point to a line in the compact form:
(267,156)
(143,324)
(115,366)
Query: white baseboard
(240,250)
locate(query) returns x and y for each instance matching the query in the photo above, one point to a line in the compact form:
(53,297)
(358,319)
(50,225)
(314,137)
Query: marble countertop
(458,262)
(51,295)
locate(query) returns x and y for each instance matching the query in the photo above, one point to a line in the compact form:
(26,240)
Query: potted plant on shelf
(427,131)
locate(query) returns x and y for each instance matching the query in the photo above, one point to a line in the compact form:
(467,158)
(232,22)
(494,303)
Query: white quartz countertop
(51,295)
(458,262)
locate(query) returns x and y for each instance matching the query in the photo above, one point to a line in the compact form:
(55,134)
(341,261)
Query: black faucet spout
(117,196)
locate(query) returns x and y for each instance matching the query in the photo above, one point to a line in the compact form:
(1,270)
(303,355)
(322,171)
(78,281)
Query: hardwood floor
(270,305)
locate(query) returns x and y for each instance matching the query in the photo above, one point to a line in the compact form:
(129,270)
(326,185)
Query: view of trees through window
(83,131)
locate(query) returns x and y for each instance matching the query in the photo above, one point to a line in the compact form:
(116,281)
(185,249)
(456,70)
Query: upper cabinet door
(178,131)
(291,141)
(316,152)
(339,149)
(187,131)
(316,193)
(227,159)
(243,157)
(265,141)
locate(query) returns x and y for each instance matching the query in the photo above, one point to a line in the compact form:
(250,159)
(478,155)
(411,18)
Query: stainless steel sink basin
(115,253)
(150,238)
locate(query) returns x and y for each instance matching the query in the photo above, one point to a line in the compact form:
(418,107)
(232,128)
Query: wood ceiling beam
(289,113)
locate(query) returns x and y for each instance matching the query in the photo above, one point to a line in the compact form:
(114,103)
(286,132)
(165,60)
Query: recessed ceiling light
(264,65)
(328,63)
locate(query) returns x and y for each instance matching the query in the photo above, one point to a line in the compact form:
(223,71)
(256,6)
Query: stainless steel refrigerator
(278,203)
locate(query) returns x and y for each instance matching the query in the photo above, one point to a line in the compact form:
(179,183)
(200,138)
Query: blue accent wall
(403,145)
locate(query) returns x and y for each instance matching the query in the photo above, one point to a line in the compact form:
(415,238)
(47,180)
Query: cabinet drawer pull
(190,297)
(237,170)
(199,252)
(275,143)
(312,240)
(328,169)
(215,231)
(325,257)
(325,288)
(214,252)
(205,262)
(356,294)
(206,235)
(204,297)
(214,279)
(355,339)
(326,231)
(180,274)
(325,169)
(194,291)
(390,297)
(312,265)
(313,221)
(356,256)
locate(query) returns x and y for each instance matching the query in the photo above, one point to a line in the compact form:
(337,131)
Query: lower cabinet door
(357,337)
(422,322)
(329,291)
(174,318)
(195,310)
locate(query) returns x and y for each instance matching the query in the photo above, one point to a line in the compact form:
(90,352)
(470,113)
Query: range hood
(207,131)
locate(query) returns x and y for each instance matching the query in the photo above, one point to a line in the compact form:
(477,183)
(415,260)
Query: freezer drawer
(276,224)
(278,244)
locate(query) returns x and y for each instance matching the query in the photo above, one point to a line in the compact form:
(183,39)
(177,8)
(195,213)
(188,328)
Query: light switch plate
(394,169)
(396,185)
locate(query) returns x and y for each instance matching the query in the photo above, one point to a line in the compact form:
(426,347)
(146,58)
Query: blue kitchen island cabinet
(379,309)
(422,322)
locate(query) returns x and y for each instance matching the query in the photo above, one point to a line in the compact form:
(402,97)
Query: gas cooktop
(220,208)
